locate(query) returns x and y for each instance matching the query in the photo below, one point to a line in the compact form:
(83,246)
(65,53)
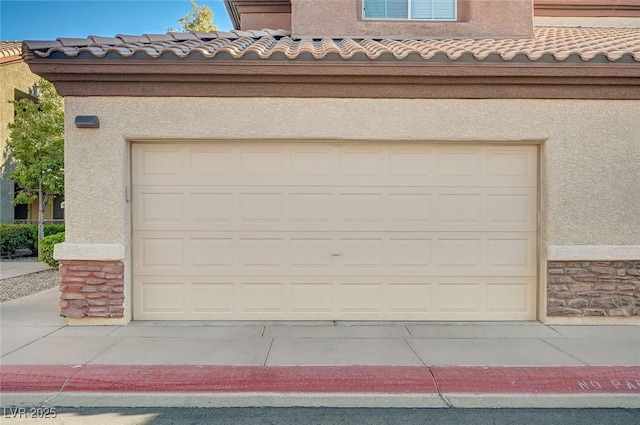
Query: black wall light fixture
(87,121)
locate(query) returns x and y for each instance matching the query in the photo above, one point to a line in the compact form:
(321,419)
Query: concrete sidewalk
(20,268)
(312,364)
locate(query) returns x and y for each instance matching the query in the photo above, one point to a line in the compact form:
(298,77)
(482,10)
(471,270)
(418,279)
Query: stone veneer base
(91,288)
(593,288)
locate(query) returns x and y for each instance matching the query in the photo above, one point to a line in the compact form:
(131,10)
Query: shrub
(49,229)
(46,248)
(16,236)
(23,236)
(52,229)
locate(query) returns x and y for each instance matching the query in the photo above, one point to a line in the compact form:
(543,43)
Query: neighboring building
(18,82)
(355,165)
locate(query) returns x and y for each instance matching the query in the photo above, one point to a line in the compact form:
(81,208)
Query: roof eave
(340,79)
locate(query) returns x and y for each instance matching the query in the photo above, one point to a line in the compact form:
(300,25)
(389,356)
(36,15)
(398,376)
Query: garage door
(329,231)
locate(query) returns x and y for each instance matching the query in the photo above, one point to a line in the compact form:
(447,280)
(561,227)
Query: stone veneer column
(593,281)
(93,283)
(593,288)
(91,288)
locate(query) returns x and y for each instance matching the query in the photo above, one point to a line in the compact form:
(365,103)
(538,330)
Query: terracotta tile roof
(10,51)
(571,45)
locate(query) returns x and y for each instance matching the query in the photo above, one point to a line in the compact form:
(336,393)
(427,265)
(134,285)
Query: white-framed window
(427,10)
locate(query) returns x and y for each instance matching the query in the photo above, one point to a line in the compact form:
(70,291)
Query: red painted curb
(538,380)
(321,379)
(253,379)
(303,379)
(35,378)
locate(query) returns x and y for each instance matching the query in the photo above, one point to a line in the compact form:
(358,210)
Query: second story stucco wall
(476,18)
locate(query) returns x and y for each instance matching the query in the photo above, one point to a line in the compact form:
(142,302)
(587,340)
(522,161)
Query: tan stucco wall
(13,75)
(258,21)
(476,18)
(589,152)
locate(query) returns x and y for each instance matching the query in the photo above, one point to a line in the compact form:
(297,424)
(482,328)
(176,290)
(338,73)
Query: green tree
(200,20)
(36,144)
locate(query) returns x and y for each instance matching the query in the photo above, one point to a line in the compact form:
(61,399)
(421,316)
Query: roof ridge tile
(74,42)
(240,33)
(278,33)
(218,34)
(40,44)
(96,39)
(258,34)
(182,36)
(132,38)
(158,37)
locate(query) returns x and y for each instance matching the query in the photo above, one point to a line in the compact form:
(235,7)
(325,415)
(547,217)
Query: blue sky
(50,19)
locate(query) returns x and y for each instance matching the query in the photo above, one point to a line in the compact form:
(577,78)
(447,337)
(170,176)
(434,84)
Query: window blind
(410,9)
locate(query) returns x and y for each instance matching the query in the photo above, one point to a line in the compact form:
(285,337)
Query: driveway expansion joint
(31,342)
(563,351)
(266,356)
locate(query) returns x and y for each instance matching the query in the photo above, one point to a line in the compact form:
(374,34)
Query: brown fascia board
(587,8)
(233,14)
(309,80)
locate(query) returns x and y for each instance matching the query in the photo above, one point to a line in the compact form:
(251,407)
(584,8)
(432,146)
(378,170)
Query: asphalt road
(324,416)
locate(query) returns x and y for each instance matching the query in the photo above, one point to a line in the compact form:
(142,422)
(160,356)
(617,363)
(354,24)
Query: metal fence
(36,221)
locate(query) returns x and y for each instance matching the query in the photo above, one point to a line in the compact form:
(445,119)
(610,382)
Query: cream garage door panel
(357,298)
(311,231)
(350,254)
(311,164)
(295,208)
